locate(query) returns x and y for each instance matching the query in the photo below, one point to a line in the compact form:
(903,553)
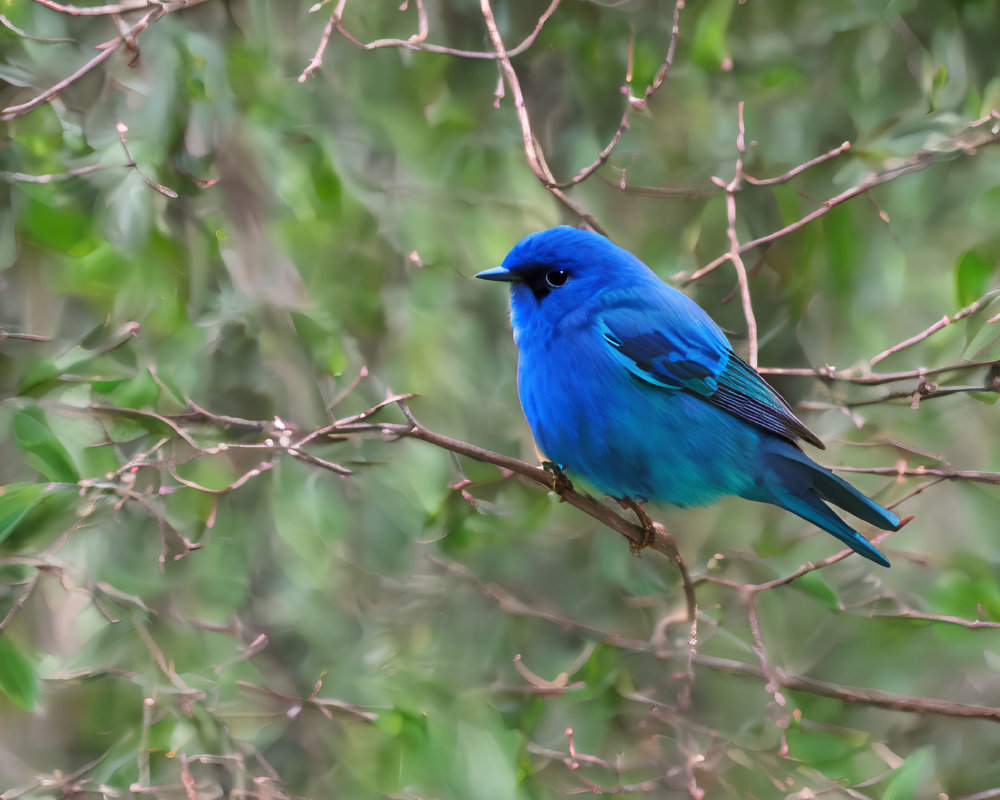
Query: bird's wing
(679,348)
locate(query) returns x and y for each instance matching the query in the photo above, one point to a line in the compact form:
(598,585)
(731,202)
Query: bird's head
(555,272)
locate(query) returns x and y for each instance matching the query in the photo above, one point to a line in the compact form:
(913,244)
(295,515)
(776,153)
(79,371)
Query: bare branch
(28,337)
(317,60)
(533,153)
(25,35)
(968,311)
(157,10)
(122,129)
(326,704)
(787,176)
(633,101)
(918,161)
(974,476)
(734,243)
(854,694)
(95,11)
(21,177)
(852,375)
(108,50)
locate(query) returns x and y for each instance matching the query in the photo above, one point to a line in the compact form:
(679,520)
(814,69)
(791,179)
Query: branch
(114,8)
(122,129)
(854,694)
(968,311)
(533,153)
(28,337)
(902,471)
(853,375)
(11,112)
(415,42)
(281,436)
(633,101)
(25,35)
(734,243)
(787,176)
(157,10)
(782,678)
(918,161)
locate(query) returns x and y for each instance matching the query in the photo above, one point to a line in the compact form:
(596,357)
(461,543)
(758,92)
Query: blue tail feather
(793,481)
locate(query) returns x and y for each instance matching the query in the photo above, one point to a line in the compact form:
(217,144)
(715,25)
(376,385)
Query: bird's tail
(790,479)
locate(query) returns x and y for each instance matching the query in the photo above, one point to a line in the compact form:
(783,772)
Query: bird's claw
(560,483)
(648,526)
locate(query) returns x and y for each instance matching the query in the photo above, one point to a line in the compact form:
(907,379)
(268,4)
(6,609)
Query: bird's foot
(560,483)
(648,526)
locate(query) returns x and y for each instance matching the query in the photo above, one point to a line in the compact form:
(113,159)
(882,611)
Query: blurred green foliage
(311,635)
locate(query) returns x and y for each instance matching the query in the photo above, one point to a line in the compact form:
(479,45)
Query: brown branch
(94,11)
(975,476)
(852,375)
(945,619)
(782,678)
(969,310)
(500,53)
(601,159)
(122,129)
(317,60)
(533,153)
(28,337)
(675,32)
(918,161)
(11,112)
(925,390)
(854,694)
(416,42)
(322,704)
(770,673)
(734,243)
(787,176)
(25,35)
(633,101)
(157,10)
(22,177)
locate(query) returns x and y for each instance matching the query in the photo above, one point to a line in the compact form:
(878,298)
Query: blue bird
(627,383)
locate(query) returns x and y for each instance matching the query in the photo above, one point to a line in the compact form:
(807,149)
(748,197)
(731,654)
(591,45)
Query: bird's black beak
(498,274)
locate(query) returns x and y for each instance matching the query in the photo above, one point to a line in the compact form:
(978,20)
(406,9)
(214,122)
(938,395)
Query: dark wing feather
(700,362)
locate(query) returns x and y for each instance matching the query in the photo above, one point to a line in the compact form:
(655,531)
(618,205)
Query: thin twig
(854,694)
(969,310)
(11,112)
(787,176)
(122,129)
(25,35)
(533,153)
(28,337)
(918,161)
(974,476)
(853,375)
(157,10)
(94,11)
(22,177)
(734,243)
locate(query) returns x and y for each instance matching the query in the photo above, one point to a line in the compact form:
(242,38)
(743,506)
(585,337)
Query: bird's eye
(556,277)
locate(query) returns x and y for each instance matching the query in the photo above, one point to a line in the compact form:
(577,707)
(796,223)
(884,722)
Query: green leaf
(813,584)
(17,675)
(708,47)
(16,502)
(972,274)
(20,504)
(910,776)
(45,452)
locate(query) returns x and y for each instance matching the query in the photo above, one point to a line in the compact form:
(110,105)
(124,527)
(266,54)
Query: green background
(311,635)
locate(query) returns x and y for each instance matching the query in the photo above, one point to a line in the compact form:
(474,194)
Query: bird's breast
(627,437)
